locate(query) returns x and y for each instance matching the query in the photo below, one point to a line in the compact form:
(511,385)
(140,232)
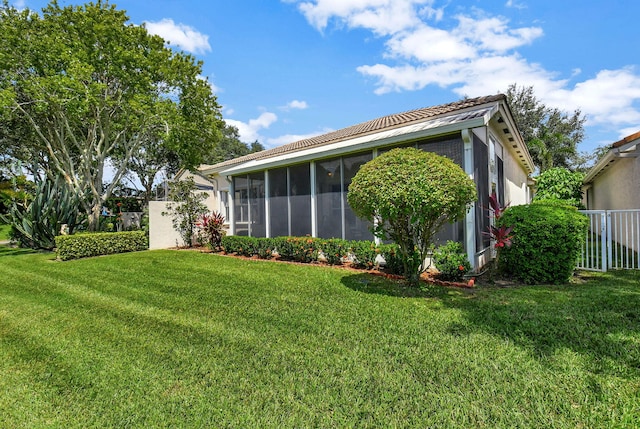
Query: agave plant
(39,221)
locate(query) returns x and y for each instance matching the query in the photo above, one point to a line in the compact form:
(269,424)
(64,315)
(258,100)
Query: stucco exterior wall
(516,189)
(162,235)
(161,232)
(617,188)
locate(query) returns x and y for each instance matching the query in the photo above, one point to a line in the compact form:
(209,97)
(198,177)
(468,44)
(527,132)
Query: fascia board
(600,165)
(506,114)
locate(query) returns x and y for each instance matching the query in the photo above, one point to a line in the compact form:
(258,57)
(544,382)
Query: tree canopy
(231,147)
(81,86)
(408,195)
(560,184)
(551,135)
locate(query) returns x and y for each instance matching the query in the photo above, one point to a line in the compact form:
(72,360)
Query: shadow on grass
(373,284)
(15,251)
(598,317)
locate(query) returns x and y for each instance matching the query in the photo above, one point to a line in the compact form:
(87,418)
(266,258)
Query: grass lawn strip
(184,339)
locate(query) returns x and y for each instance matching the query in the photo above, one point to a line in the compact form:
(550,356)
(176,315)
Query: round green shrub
(547,240)
(408,195)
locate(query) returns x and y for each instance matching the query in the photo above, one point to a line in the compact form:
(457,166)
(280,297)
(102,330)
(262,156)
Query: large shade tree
(551,135)
(81,86)
(408,195)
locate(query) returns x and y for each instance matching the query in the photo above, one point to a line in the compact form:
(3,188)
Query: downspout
(470,219)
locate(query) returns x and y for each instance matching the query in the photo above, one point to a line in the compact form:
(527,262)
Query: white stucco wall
(618,187)
(515,181)
(162,235)
(161,232)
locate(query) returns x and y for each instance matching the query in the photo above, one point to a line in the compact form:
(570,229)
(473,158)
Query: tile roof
(375,125)
(626,140)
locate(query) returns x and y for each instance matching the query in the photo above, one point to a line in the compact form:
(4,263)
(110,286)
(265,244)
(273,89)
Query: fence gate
(613,240)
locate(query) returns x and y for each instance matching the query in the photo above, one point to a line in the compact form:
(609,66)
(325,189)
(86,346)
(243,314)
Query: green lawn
(184,339)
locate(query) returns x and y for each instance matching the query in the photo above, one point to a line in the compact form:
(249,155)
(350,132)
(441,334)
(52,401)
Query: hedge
(86,245)
(334,251)
(546,244)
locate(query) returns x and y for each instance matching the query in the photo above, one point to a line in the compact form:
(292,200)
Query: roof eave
(629,149)
(370,141)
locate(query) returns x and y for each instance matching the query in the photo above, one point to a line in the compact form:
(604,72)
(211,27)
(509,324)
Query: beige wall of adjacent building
(617,188)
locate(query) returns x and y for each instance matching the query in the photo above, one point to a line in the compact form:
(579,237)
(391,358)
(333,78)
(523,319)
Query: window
(355,228)
(278,202)
(241,205)
(257,221)
(329,198)
(300,199)
(481,174)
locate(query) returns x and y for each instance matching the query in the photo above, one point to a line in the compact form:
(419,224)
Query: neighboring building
(614,182)
(300,188)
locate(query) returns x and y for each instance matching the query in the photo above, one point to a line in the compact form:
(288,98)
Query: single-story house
(300,188)
(614,182)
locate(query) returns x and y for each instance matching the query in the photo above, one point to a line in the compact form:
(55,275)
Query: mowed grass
(184,339)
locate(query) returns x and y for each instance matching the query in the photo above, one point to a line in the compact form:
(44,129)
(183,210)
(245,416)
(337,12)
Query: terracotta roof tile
(626,140)
(375,125)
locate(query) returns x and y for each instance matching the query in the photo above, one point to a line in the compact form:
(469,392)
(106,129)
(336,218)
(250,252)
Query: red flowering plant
(500,235)
(210,228)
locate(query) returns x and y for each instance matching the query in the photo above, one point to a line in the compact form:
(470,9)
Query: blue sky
(289,69)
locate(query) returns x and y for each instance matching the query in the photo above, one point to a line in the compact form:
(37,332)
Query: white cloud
(608,98)
(383,17)
(180,35)
(250,131)
(296,104)
(515,4)
(473,54)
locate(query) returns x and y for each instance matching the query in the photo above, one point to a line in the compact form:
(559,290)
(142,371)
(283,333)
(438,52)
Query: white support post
(232,210)
(470,219)
(604,243)
(314,203)
(267,205)
(609,242)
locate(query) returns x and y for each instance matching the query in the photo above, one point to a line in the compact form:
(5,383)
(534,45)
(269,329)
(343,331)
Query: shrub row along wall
(334,251)
(86,245)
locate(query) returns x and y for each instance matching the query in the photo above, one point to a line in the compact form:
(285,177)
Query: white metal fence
(613,240)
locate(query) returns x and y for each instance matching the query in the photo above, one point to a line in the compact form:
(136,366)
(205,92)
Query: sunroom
(301,188)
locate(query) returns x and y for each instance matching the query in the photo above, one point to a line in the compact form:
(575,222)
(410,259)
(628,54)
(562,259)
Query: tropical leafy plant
(36,223)
(560,184)
(501,235)
(211,229)
(185,208)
